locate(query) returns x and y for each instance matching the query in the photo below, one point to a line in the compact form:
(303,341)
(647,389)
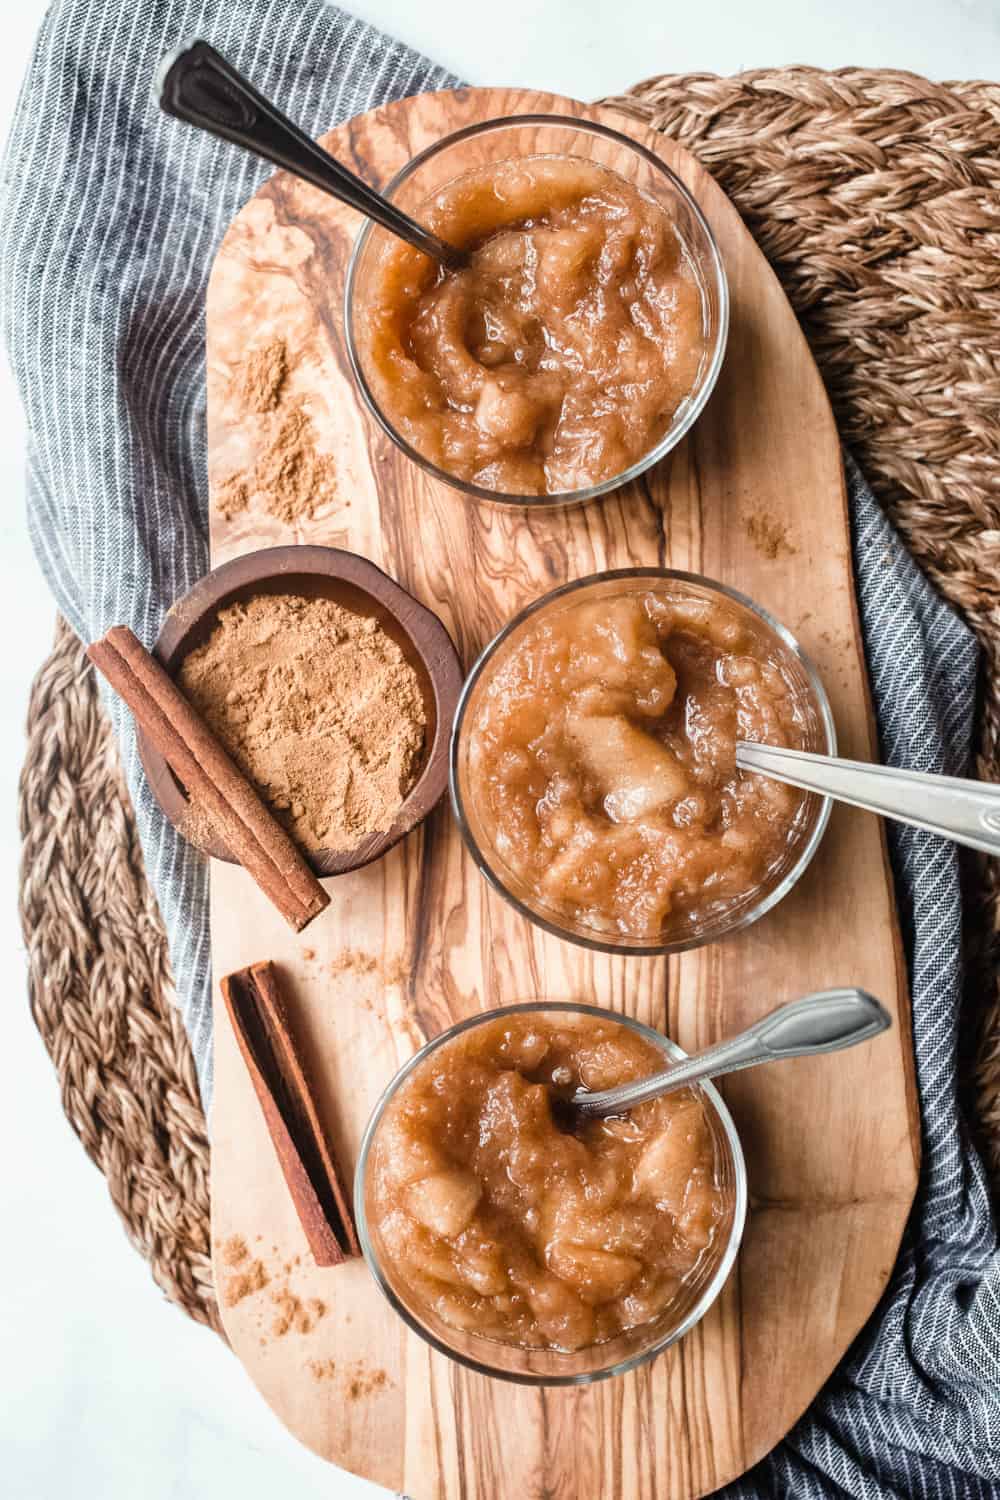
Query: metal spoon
(196,84)
(967,812)
(824,1022)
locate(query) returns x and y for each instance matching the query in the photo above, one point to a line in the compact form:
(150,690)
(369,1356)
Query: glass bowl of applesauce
(535,1253)
(578,344)
(593,771)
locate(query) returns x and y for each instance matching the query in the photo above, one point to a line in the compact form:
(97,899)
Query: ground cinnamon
(294,480)
(359,1380)
(318,707)
(366,1383)
(235,1250)
(356,961)
(199,760)
(245,1283)
(769,535)
(290,477)
(293,1313)
(261,376)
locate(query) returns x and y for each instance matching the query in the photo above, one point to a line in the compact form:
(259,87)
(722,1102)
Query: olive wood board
(754,497)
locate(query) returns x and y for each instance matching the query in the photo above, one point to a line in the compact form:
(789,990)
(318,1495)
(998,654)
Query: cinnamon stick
(256,1008)
(198,759)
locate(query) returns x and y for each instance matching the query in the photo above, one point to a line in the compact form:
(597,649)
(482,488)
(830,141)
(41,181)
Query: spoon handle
(196,84)
(967,812)
(824,1022)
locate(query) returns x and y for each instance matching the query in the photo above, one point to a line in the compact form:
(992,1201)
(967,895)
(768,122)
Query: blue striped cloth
(111,215)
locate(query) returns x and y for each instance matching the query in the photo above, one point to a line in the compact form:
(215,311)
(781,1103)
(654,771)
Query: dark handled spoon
(196,84)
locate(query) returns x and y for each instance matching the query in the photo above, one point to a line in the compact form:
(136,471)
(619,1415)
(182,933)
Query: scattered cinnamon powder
(260,377)
(246,1283)
(354,961)
(294,1314)
(769,535)
(232,496)
(318,707)
(288,1308)
(234,1250)
(284,1310)
(366,1384)
(291,477)
(360,1381)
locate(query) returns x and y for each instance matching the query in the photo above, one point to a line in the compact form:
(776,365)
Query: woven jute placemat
(876,197)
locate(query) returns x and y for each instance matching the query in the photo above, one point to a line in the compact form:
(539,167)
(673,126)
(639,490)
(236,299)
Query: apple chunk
(595,1275)
(636,773)
(444,1202)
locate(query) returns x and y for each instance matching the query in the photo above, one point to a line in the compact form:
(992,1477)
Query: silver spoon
(196,84)
(967,812)
(824,1022)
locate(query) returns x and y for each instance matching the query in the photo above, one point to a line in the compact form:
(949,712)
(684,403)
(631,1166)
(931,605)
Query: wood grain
(416,941)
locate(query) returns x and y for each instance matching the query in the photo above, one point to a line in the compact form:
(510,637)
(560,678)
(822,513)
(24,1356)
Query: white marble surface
(106,1392)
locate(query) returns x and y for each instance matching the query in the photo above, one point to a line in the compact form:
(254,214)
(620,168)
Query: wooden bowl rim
(425,631)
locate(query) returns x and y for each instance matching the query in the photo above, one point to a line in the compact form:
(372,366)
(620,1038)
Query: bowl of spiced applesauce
(535,1253)
(593,761)
(578,344)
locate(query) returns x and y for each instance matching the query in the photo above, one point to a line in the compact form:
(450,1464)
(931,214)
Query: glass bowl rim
(713,1286)
(676,431)
(602,944)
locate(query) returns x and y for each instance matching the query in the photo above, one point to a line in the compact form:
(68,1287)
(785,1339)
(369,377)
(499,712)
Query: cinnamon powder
(261,376)
(359,1380)
(318,707)
(293,1314)
(769,535)
(235,1250)
(246,1283)
(284,1310)
(366,1383)
(290,476)
(232,496)
(355,961)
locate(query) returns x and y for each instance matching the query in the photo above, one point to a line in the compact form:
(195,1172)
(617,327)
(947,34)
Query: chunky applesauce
(504,1225)
(601,760)
(558,356)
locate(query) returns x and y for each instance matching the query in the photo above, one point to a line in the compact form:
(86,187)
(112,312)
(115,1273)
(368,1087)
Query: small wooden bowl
(356,583)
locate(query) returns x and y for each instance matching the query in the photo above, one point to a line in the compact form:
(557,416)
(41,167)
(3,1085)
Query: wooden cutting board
(755,498)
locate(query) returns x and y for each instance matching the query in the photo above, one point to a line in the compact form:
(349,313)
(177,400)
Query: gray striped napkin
(111,216)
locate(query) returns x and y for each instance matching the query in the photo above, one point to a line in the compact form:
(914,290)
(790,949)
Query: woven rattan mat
(875,197)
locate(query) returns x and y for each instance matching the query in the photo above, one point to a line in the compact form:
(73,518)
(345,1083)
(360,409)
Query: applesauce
(502,1224)
(599,760)
(557,358)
